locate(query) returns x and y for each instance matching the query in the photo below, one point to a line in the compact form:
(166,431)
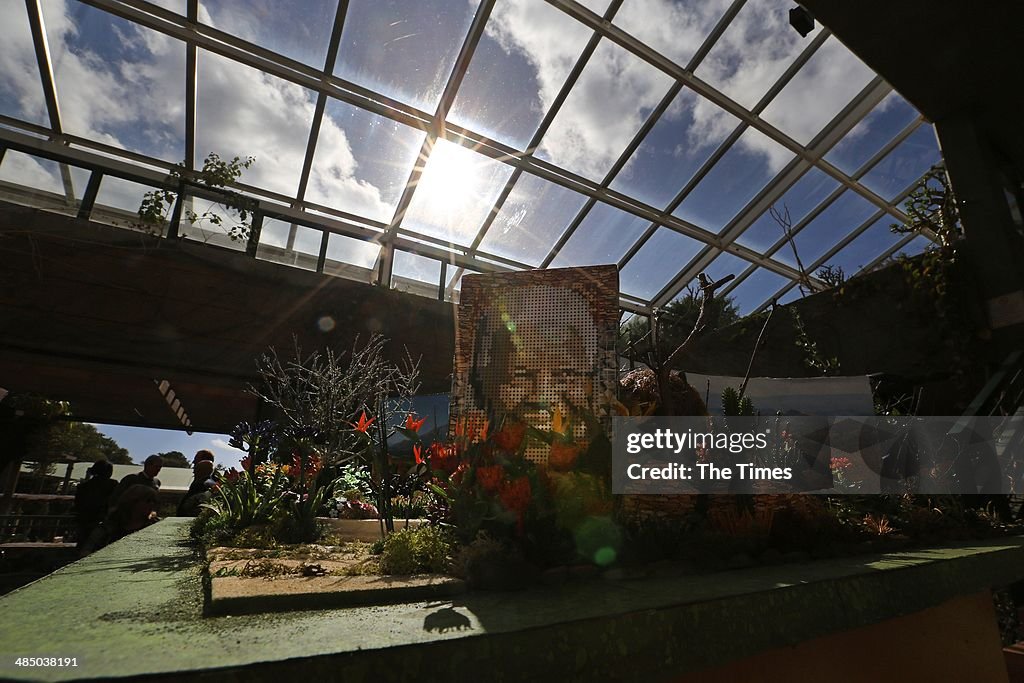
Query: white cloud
(675,29)
(140,105)
(19,75)
(617,90)
(106,101)
(333,182)
(607,104)
(26,170)
(226,455)
(819,91)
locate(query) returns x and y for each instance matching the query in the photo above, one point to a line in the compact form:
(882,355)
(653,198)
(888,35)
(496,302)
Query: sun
(450,178)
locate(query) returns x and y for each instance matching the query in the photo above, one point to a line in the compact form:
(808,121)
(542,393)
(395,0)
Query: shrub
(421,550)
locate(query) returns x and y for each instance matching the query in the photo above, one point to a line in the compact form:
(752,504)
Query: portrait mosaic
(534,345)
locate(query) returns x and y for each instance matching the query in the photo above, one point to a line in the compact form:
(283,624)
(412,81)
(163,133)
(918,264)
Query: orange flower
(412,424)
(417,452)
(482,432)
(510,436)
(490,477)
(563,456)
(559,423)
(363,424)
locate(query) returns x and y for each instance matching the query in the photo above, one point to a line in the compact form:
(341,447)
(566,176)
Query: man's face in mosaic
(539,356)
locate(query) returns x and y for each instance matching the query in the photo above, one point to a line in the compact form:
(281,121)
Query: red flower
(417,452)
(232,475)
(490,477)
(510,436)
(515,494)
(459,474)
(414,425)
(363,423)
(444,458)
(563,456)
(245,462)
(841,464)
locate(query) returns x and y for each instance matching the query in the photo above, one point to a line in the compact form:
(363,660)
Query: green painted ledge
(135,609)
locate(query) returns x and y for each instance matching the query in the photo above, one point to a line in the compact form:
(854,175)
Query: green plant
(425,549)
(216,174)
(244,500)
(813,358)
(733,405)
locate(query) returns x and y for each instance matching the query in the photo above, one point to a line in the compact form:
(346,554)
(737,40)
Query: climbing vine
(216,174)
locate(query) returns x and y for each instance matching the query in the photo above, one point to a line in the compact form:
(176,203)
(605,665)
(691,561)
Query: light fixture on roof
(801,20)
(164,387)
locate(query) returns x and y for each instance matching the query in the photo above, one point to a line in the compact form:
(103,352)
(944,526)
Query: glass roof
(407,142)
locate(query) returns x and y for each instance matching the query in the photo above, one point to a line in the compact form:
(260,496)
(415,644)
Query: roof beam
(436,130)
(42,50)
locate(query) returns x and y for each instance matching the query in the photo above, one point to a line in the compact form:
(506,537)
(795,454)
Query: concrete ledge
(235,595)
(135,609)
(367,530)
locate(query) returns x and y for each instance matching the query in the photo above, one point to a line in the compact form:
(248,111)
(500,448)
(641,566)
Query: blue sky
(142,442)
(123,85)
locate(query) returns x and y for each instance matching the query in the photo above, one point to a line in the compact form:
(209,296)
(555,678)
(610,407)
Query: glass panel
(293,245)
(362,161)
(842,216)
(789,297)
(208,231)
(457,190)
(21,91)
(178,6)
(243,112)
(758,288)
(805,194)
(916,246)
(754,51)
(819,91)
(517,70)
(866,247)
(726,264)
(738,176)
(531,220)
(351,258)
(689,132)
(415,274)
(658,261)
(117,203)
(905,164)
(118,83)
(609,103)
(888,118)
(403,48)
(32,181)
(302,35)
(453,288)
(604,236)
(675,28)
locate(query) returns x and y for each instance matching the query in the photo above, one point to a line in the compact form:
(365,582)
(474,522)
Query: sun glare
(450,178)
